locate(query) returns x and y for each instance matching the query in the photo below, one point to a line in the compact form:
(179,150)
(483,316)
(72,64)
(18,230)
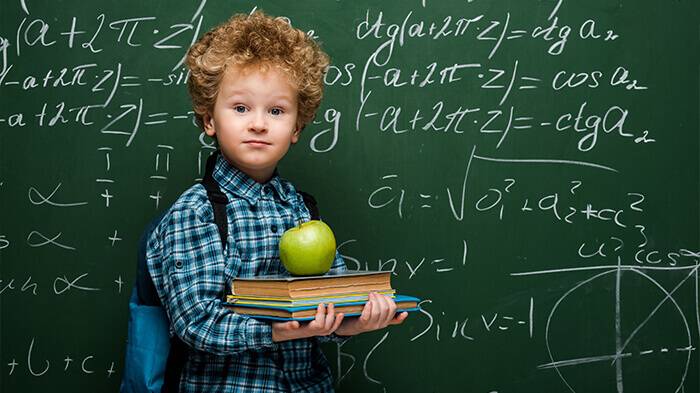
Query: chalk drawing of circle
(655,338)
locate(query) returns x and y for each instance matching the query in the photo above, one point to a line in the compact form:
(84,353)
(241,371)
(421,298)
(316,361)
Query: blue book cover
(256,301)
(307,313)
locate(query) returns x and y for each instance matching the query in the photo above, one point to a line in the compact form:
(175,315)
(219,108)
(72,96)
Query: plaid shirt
(229,352)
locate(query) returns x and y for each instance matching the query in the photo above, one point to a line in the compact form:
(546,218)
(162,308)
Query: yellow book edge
(229,298)
(310,313)
(245,299)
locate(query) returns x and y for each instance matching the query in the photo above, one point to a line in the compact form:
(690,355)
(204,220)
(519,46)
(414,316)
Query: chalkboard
(528,168)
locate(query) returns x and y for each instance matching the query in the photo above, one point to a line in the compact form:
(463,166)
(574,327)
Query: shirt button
(265,190)
(273,228)
(178,264)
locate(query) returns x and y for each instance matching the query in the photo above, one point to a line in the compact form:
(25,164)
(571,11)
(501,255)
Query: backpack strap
(177,357)
(311,204)
(146,290)
(217,198)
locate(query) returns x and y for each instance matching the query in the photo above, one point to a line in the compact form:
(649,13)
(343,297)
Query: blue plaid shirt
(229,352)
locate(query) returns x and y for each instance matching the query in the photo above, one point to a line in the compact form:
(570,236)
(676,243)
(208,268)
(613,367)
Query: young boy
(255,83)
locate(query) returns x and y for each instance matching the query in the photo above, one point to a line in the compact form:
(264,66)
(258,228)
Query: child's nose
(258,122)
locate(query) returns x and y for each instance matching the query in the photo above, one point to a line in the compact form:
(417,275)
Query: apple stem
(299,222)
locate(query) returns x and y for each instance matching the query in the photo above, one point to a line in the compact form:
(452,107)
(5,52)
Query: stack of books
(286,298)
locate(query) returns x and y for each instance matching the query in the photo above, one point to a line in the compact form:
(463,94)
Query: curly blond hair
(261,40)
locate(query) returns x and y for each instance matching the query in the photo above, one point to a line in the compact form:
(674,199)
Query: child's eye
(239,108)
(276,111)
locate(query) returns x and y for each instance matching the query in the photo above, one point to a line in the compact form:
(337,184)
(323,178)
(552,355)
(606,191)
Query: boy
(255,83)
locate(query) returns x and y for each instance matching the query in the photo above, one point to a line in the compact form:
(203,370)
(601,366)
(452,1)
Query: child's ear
(295,135)
(208,123)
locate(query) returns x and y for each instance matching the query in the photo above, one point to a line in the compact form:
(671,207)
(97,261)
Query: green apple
(308,248)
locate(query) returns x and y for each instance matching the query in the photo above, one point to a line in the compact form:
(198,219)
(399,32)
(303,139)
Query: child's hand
(325,323)
(378,313)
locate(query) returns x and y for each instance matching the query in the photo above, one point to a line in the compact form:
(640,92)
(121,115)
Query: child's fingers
(282,331)
(382,310)
(399,318)
(291,325)
(330,318)
(376,311)
(388,309)
(367,310)
(392,310)
(338,321)
(320,319)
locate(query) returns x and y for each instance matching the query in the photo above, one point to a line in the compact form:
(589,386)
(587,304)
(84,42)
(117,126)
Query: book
(289,302)
(297,287)
(307,313)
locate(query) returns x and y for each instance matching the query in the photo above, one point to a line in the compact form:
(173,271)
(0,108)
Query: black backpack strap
(311,204)
(177,357)
(217,198)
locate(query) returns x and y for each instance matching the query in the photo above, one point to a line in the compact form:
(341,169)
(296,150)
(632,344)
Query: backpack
(153,360)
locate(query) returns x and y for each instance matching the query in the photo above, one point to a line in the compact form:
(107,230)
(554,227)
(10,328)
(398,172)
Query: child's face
(254,119)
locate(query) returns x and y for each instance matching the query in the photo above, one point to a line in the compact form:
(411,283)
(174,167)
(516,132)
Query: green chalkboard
(529,168)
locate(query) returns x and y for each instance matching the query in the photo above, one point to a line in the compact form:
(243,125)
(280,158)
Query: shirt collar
(238,183)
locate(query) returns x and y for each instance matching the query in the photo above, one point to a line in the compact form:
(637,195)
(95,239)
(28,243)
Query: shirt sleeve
(337,268)
(187,264)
